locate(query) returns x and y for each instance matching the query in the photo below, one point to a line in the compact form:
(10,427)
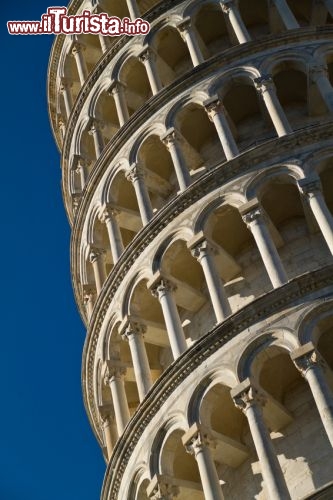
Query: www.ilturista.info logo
(56,21)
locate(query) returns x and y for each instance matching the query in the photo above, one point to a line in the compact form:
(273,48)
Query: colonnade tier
(230,24)
(260,222)
(238,413)
(98,137)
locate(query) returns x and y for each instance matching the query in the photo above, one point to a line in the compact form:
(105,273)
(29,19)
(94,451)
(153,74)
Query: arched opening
(255,16)
(292,91)
(246,113)
(292,227)
(237,259)
(200,143)
(302,11)
(137,89)
(291,416)
(92,51)
(173,58)
(123,199)
(160,177)
(106,114)
(325,170)
(211,29)
(181,466)
(145,310)
(324,337)
(225,425)
(190,293)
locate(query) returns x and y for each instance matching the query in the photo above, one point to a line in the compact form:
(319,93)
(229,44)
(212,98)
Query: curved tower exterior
(197,169)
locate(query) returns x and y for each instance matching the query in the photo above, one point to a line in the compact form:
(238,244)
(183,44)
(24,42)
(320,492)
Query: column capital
(135,172)
(95,253)
(65,84)
(159,285)
(184,25)
(76,200)
(94,125)
(77,47)
(130,327)
(227,5)
(196,438)
(80,162)
(317,70)
(113,369)
(251,212)
(107,212)
(213,106)
(170,137)
(116,87)
(309,185)
(106,412)
(245,395)
(88,292)
(146,54)
(306,357)
(201,246)
(162,488)
(264,83)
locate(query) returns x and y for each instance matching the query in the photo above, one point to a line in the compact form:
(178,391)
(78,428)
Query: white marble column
(96,258)
(95,132)
(118,92)
(230,8)
(204,252)
(307,360)
(189,36)
(215,111)
(163,290)
(266,88)
(136,176)
(247,399)
(133,9)
(76,200)
(105,43)
(287,17)
(171,141)
(114,378)
(107,432)
(89,299)
(312,190)
(65,90)
(133,332)
(82,171)
(254,218)
(148,58)
(319,75)
(61,127)
(109,217)
(198,443)
(77,49)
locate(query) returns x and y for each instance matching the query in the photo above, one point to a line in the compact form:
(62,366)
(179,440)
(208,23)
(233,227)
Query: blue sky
(47,449)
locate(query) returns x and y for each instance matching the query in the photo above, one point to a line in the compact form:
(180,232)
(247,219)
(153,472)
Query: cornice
(283,147)
(117,44)
(261,308)
(192,77)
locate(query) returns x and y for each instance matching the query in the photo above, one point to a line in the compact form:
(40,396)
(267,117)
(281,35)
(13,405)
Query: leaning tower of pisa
(197,175)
